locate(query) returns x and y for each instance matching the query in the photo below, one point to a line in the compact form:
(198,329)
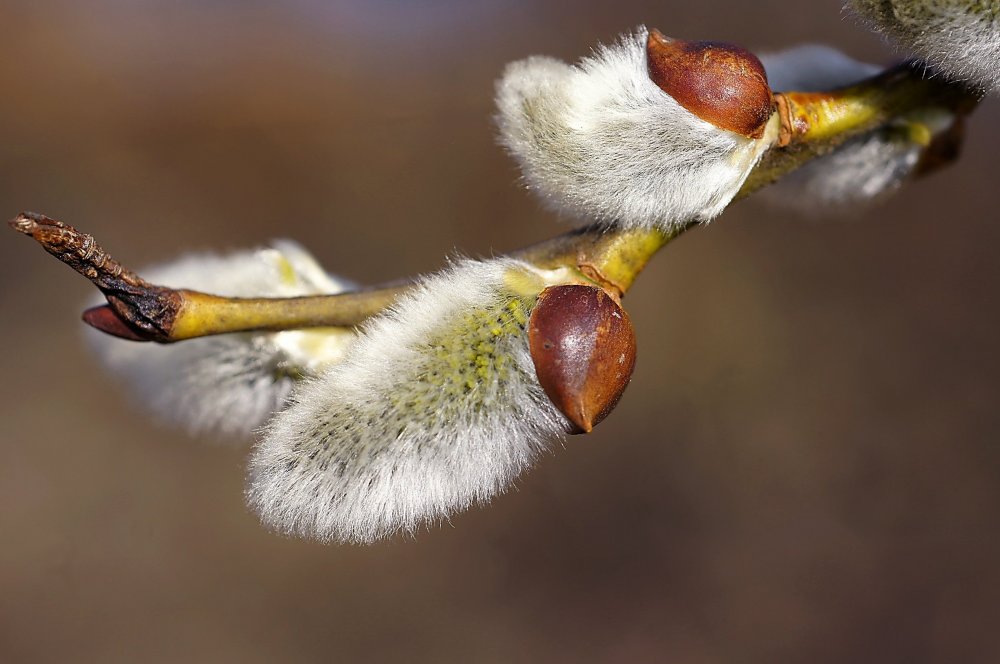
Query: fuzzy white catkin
(435,407)
(602,141)
(228,384)
(864,168)
(813,68)
(959,37)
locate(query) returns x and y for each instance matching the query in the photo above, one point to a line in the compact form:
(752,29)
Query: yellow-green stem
(202,314)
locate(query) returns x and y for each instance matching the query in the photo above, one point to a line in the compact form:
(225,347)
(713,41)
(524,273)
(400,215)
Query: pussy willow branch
(157,313)
(810,125)
(815,123)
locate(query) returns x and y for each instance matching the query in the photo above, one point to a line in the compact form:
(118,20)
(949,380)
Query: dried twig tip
(26,222)
(148,309)
(77,249)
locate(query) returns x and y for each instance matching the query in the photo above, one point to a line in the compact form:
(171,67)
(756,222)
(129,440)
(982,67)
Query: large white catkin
(813,68)
(959,37)
(435,407)
(864,168)
(228,384)
(602,141)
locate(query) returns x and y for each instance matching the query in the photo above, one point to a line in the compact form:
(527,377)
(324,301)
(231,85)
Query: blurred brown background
(805,468)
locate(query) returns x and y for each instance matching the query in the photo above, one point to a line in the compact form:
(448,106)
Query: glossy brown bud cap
(583,347)
(720,83)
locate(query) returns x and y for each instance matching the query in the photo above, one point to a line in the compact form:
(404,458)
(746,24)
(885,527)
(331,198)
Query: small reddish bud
(106,320)
(720,83)
(583,347)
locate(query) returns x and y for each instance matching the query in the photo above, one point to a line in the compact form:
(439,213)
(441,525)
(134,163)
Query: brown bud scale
(583,347)
(720,83)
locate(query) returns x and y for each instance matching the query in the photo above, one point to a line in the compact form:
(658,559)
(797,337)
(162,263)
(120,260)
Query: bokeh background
(804,469)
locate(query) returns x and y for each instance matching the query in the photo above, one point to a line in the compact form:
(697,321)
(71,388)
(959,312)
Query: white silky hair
(813,68)
(228,384)
(602,141)
(435,407)
(864,168)
(959,37)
